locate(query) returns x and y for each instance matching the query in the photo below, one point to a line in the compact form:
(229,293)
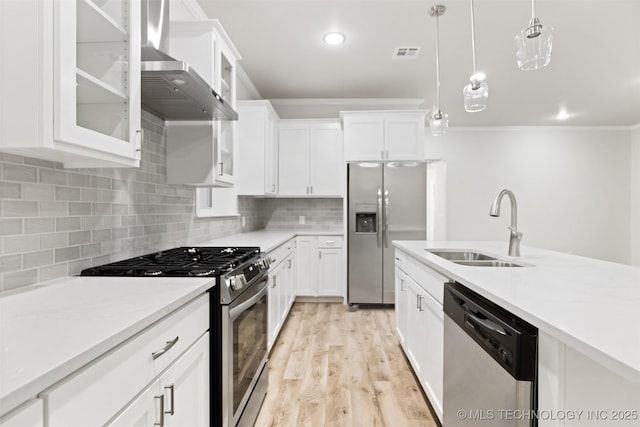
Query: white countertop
(588,304)
(267,240)
(50,330)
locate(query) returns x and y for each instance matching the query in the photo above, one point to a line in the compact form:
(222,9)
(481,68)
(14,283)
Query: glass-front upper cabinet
(210,159)
(98,84)
(74,92)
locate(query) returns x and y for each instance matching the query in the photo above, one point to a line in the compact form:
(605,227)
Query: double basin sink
(471,258)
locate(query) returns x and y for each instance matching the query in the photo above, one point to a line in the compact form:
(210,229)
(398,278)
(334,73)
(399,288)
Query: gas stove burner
(202,272)
(153,273)
(197,261)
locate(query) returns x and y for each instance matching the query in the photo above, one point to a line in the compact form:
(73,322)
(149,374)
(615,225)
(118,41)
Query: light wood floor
(333,367)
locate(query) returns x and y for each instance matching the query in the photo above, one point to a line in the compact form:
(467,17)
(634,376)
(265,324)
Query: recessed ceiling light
(333,38)
(563,114)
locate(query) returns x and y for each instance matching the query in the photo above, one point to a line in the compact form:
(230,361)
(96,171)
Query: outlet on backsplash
(301,219)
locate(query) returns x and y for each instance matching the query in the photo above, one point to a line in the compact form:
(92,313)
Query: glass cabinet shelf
(92,90)
(95,25)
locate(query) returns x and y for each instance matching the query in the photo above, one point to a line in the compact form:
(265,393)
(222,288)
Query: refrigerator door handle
(386,218)
(379,213)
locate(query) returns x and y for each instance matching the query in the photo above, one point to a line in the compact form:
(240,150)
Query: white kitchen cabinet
(383,135)
(71,81)
(180,397)
(29,415)
(310,160)
(110,389)
(420,323)
(257,148)
(202,153)
(281,287)
(320,266)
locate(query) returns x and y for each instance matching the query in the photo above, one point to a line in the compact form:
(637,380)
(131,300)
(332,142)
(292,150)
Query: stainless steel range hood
(172,89)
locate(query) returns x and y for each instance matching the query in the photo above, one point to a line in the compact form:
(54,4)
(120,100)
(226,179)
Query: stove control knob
(232,283)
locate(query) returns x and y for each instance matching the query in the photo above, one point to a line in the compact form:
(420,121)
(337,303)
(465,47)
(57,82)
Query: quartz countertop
(50,330)
(590,305)
(267,240)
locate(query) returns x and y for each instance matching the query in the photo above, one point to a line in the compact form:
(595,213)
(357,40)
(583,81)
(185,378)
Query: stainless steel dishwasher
(490,363)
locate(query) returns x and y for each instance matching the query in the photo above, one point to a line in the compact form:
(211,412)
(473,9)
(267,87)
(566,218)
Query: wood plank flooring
(333,367)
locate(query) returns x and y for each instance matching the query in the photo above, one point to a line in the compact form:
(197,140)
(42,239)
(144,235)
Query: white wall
(635,196)
(572,186)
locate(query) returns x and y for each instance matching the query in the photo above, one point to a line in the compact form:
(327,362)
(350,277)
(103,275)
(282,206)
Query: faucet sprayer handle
(515,231)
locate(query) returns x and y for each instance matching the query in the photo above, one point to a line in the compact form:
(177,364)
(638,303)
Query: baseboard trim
(320,299)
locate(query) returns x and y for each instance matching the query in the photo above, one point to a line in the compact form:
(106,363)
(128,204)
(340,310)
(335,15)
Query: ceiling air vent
(406,52)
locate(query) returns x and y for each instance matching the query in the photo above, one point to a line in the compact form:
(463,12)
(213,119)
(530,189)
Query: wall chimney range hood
(171,88)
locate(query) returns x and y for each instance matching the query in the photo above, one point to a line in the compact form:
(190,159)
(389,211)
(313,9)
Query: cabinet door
(325,161)
(363,138)
(225,160)
(330,267)
(185,388)
(432,352)
(401,306)
(414,339)
(273,324)
(97,76)
(307,256)
(143,411)
(271,157)
(293,161)
(291,281)
(404,138)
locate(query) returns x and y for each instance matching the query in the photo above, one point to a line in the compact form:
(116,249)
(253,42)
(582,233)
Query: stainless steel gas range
(238,320)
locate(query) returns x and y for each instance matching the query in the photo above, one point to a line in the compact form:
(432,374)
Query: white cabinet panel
(330,274)
(325,162)
(143,411)
(401,306)
(320,266)
(310,158)
(293,162)
(307,257)
(256,146)
(383,135)
(30,415)
(75,101)
(281,287)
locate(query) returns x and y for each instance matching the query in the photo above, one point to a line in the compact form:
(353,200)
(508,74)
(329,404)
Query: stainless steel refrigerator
(386,202)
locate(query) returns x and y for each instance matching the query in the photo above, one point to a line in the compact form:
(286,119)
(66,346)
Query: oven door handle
(237,311)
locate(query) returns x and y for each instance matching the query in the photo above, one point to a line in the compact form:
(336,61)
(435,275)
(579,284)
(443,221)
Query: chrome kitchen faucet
(514,236)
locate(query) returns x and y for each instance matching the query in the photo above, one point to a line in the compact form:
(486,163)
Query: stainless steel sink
(471,258)
(487,263)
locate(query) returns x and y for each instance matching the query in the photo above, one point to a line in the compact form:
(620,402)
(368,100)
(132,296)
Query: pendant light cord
(533,9)
(473,40)
(438,61)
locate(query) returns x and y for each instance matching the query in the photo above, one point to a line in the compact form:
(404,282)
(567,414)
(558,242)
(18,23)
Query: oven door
(244,349)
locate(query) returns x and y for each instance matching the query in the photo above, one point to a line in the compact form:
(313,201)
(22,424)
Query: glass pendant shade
(533,46)
(476,95)
(439,123)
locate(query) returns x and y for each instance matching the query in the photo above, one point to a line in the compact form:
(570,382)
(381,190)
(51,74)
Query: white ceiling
(594,73)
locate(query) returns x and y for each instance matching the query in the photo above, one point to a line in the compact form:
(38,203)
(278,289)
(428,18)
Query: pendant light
(439,121)
(533,44)
(476,93)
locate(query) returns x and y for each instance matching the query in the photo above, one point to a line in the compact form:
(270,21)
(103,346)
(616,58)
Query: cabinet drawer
(330,241)
(281,252)
(429,280)
(95,393)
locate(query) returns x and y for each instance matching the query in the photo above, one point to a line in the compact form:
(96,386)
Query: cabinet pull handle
(274,282)
(402,285)
(171,389)
(161,422)
(418,302)
(140,137)
(164,349)
(420,298)
(382,154)
(311,189)
(320,255)
(221,168)
(289,264)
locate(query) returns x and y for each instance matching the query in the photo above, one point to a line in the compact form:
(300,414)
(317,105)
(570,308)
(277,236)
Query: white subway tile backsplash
(10,226)
(67,254)
(53,176)
(21,243)
(10,263)
(39,225)
(54,240)
(10,190)
(79,237)
(53,208)
(13,172)
(71,223)
(37,259)
(68,193)
(37,191)
(19,208)
(20,278)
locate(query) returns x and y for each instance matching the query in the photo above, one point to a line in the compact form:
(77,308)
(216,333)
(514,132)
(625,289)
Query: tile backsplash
(55,222)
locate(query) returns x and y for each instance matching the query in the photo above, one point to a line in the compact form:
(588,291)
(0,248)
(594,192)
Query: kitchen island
(586,313)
